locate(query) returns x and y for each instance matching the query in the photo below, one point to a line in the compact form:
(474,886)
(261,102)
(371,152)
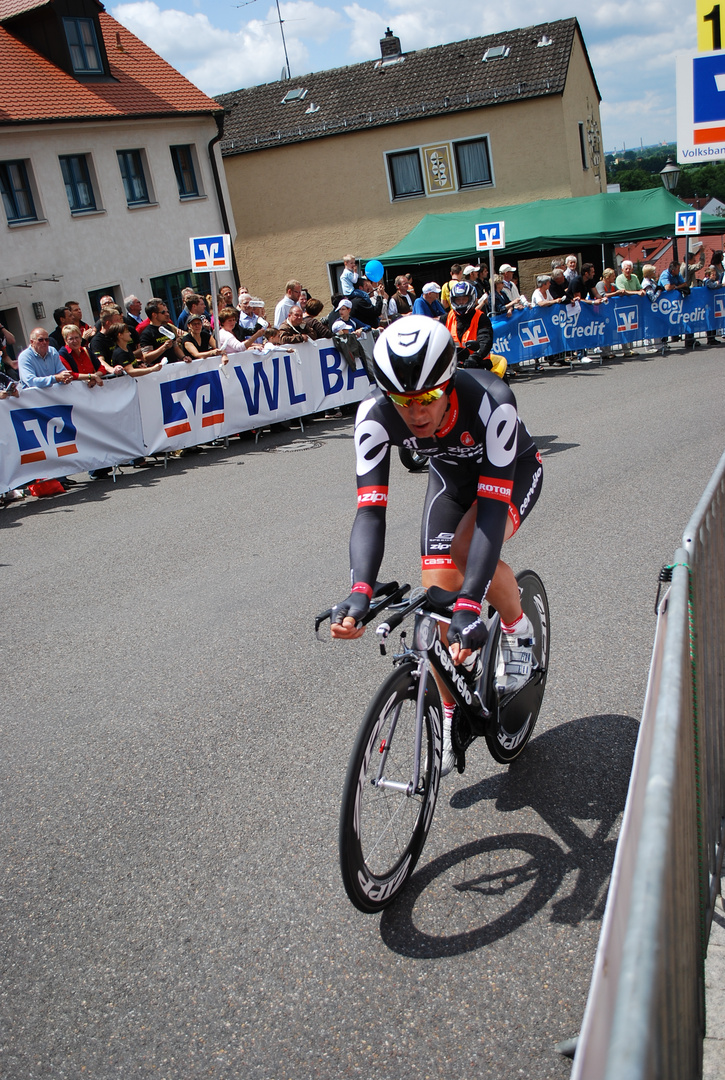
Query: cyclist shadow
(575,778)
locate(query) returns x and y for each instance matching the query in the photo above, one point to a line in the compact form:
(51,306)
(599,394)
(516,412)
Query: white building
(109,162)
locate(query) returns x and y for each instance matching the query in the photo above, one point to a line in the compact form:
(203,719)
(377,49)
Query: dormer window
(83,45)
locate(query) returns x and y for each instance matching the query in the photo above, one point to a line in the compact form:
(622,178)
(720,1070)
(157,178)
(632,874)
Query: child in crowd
(342,324)
(272,341)
(350,278)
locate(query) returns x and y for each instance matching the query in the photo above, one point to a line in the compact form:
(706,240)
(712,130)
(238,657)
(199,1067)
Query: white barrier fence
(68,429)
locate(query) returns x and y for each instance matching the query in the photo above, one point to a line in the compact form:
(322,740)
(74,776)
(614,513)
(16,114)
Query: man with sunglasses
(484,479)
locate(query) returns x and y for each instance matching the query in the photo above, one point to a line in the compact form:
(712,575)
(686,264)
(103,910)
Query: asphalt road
(175,741)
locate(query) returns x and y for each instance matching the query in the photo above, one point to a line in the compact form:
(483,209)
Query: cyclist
(484,479)
(469,327)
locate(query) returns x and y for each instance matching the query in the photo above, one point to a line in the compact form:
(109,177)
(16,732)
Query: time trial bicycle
(392,779)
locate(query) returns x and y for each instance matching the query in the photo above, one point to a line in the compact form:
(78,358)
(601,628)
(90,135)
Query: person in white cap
(510,288)
(429,304)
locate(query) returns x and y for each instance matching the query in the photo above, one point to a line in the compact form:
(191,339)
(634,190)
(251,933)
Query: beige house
(351,159)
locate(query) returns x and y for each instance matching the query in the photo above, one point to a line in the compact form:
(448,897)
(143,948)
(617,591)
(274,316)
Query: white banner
(187,404)
(68,429)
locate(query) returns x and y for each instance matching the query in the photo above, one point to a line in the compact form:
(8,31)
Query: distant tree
(636,179)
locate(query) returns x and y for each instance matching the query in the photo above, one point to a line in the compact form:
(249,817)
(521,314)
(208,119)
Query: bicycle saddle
(440,600)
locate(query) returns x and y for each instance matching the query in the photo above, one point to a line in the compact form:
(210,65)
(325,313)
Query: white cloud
(631,44)
(223,58)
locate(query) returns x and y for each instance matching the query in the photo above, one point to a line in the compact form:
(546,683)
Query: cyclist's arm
(367,539)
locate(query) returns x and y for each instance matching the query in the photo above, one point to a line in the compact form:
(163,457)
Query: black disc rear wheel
(383,829)
(517,713)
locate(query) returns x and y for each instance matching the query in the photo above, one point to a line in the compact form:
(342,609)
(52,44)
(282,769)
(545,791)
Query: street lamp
(670,175)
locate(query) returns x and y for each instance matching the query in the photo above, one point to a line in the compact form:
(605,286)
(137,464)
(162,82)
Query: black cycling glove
(357,606)
(468,629)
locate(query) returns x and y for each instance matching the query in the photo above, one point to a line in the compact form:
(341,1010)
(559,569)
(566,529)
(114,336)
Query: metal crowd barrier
(645,1016)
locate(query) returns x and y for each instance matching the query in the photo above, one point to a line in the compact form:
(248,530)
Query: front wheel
(383,829)
(517,713)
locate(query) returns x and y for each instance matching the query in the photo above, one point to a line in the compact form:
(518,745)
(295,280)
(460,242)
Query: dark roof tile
(443,79)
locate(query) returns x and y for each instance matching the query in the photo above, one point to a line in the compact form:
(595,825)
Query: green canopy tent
(549,225)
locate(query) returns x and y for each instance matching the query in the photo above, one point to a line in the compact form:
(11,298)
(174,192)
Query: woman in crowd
(606,286)
(123,356)
(77,359)
(198,342)
(541,296)
(228,343)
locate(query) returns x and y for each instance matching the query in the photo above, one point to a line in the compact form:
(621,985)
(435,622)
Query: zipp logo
(372,496)
(534,334)
(626,319)
(44,433)
(494,489)
(183,399)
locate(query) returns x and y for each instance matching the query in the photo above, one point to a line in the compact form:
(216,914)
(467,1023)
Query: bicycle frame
(430,653)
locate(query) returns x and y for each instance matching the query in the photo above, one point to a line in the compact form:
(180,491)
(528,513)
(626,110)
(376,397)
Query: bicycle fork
(409,789)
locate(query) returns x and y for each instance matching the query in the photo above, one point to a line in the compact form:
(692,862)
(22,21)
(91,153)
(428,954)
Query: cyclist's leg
(503,592)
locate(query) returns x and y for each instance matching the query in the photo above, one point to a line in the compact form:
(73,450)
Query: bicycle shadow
(575,778)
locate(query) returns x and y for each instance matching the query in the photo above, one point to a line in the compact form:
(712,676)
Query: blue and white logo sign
(534,334)
(687,222)
(210,252)
(627,319)
(490,237)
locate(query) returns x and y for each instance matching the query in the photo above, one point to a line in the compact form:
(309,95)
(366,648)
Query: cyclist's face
(424,420)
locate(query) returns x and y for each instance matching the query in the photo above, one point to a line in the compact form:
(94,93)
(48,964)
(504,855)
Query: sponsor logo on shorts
(437,562)
(489,488)
(372,496)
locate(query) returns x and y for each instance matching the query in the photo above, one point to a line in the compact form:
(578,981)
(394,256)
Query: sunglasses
(428,396)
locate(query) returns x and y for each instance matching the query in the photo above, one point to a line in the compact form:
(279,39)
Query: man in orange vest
(470,328)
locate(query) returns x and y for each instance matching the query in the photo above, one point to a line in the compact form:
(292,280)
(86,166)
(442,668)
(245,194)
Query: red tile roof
(8,8)
(32,89)
(659,252)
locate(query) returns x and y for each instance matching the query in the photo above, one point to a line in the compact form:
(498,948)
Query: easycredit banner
(185,404)
(538,331)
(69,429)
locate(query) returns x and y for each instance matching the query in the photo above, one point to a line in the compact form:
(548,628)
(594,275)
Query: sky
(222,46)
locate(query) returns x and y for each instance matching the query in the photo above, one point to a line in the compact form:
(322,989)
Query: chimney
(389,45)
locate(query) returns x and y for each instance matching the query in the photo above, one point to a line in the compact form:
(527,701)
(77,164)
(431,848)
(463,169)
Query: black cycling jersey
(482,453)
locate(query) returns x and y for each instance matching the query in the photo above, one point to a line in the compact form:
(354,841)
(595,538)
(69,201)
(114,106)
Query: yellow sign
(710,18)
(439,177)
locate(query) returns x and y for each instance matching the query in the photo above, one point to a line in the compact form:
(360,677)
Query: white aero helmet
(414,354)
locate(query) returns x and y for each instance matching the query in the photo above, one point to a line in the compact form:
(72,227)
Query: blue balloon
(374,270)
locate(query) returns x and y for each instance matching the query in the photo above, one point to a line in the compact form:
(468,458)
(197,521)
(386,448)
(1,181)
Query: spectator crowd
(137,339)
